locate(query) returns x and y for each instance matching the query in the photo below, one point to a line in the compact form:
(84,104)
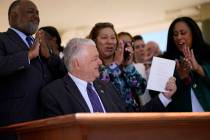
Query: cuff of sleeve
(115,69)
(165,101)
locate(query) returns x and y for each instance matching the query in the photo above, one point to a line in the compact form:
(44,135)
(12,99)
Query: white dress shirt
(196,106)
(82,86)
(21,35)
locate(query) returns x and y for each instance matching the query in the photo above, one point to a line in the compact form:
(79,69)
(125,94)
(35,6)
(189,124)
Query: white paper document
(160,72)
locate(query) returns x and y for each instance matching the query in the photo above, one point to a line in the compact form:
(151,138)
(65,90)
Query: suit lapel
(16,39)
(74,92)
(104,96)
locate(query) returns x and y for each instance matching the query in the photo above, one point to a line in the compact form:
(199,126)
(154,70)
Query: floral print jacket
(129,83)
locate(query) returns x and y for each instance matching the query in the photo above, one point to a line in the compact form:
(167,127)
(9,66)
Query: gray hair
(74,49)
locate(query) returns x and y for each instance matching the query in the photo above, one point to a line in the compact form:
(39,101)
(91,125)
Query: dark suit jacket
(63,97)
(20,82)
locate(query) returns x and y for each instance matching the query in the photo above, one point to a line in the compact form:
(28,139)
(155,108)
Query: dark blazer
(200,85)
(20,81)
(63,97)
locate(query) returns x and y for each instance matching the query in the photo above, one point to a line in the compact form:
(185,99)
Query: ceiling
(75,18)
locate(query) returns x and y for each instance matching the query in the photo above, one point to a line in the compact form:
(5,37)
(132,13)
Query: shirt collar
(21,35)
(78,81)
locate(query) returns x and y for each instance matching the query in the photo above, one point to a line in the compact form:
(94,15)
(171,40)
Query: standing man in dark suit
(71,93)
(22,71)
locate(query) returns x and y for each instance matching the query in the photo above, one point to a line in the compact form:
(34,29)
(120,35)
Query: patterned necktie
(29,40)
(94,99)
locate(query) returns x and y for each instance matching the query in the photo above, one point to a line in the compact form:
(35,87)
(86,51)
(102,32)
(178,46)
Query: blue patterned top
(127,81)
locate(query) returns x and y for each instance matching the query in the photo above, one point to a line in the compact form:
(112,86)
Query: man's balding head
(24,16)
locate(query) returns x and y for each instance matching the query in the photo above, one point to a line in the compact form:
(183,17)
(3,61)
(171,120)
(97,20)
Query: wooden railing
(115,126)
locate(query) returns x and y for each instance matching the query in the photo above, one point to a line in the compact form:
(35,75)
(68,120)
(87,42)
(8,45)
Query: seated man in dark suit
(69,94)
(81,91)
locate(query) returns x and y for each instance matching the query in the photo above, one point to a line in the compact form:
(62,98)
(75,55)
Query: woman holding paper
(186,45)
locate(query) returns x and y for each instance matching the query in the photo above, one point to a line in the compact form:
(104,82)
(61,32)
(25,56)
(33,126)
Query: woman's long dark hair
(200,48)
